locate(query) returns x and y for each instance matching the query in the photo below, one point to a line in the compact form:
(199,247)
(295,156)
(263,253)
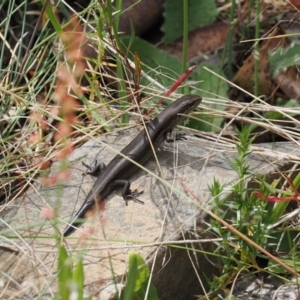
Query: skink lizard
(140,150)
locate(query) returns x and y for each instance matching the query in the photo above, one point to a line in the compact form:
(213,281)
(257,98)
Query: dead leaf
(201,40)
(289,82)
(244,78)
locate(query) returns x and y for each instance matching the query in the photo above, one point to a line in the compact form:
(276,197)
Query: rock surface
(252,288)
(170,213)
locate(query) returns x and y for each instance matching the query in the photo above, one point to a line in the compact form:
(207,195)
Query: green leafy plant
(283,58)
(155,61)
(245,212)
(138,283)
(253,213)
(210,85)
(281,237)
(200,13)
(70,281)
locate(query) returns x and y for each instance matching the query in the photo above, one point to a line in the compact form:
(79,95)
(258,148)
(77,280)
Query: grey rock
(170,214)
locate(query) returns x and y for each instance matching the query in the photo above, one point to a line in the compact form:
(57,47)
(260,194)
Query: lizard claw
(133,195)
(87,167)
(180,136)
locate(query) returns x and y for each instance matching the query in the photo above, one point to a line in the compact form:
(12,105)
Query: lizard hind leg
(96,170)
(127,193)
